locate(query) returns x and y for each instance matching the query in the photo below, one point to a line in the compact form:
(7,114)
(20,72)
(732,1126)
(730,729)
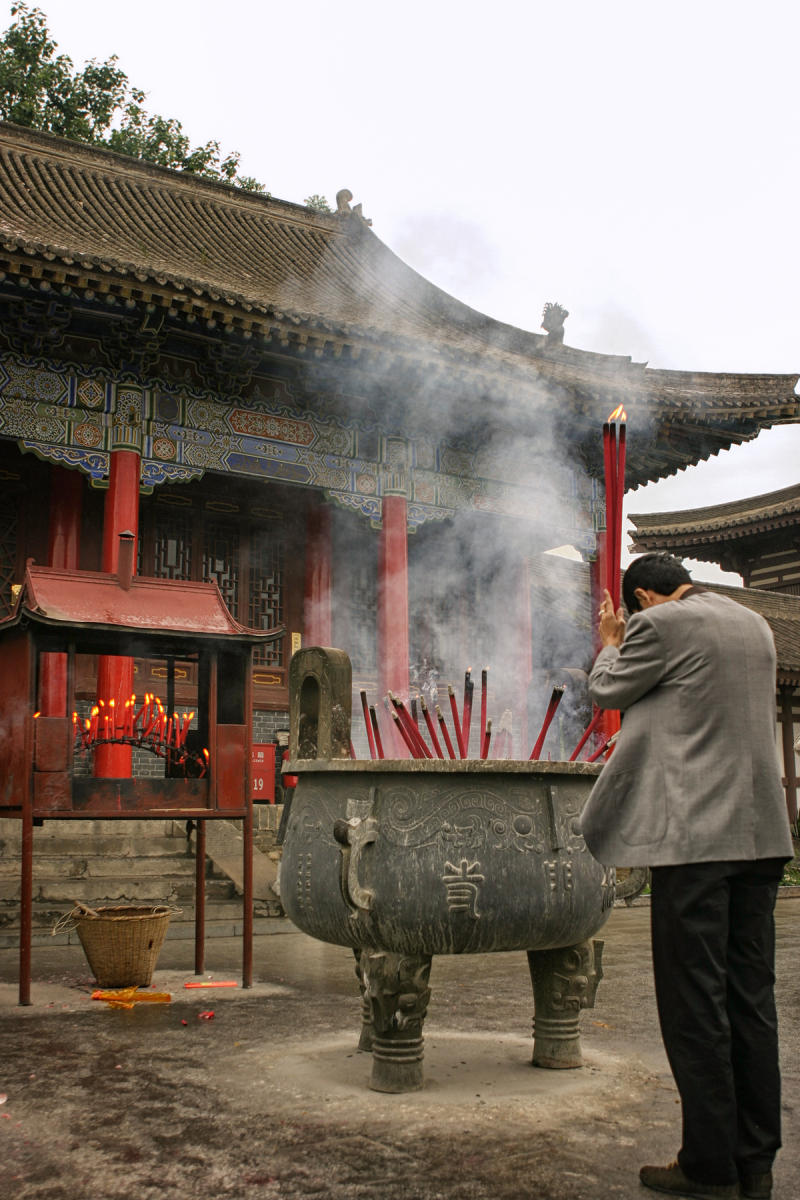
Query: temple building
(268,398)
(758,538)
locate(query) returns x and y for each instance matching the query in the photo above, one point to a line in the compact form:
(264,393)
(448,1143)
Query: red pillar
(393,602)
(317,607)
(66,495)
(522,639)
(114,674)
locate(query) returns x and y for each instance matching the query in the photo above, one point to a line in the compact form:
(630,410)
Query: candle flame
(618,414)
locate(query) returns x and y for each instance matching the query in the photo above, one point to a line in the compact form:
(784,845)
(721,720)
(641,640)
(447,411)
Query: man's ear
(643,598)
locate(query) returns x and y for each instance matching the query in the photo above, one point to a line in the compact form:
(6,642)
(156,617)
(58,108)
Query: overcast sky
(635,160)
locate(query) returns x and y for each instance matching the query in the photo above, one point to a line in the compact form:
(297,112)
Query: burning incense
(614,465)
(456,721)
(484,698)
(431,727)
(376,730)
(555,699)
(621,455)
(487,737)
(466,710)
(368,723)
(469,688)
(414,737)
(401,729)
(445,734)
(588,731)
(413,731)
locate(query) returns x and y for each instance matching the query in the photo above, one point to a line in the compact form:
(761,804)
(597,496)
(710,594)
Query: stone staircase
(119,862)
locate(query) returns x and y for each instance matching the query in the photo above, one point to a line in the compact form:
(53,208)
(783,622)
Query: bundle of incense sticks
(441,743)
(614,462)
(405,719)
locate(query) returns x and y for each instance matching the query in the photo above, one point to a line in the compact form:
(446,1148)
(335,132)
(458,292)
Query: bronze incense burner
(404,859)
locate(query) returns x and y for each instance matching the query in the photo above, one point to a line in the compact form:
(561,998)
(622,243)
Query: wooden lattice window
(221,560)
(267,592)
(172,546)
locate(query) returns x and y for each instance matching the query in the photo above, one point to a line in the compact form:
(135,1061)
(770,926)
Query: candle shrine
(47,761)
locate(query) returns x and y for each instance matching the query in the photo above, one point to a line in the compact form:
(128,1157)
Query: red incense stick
(487,737)
(469,688)
(484,694)
(610,462)
(413,733)
(555,699)
(620,498)
(368,723)
(431,727)
(445,734)
(456,721)
(597,753)
(376,730)
(588,731)
(412,749)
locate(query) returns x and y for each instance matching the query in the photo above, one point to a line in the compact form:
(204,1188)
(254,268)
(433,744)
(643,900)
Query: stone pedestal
(396,989)
(564,982)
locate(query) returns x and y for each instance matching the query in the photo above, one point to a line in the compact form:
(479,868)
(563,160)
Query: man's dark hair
(653,572)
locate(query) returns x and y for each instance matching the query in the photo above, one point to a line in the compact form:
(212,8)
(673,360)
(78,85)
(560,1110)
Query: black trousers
(714,964)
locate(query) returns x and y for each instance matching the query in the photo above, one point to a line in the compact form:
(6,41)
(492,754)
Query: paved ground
(269,1099)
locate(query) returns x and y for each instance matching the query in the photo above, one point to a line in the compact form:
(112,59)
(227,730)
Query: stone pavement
(269,1098)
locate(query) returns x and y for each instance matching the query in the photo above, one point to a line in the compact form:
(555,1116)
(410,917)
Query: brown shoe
(672,1180)
(756,1187)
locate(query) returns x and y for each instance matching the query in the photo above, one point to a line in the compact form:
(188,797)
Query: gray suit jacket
(694,776)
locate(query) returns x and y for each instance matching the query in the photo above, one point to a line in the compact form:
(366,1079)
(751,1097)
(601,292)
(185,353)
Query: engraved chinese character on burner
(462,884)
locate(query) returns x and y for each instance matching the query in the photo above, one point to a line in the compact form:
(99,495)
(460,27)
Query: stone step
(59,866)
(156,887)
(85,831)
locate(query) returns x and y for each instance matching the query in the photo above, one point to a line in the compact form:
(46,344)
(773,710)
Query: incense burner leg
(564,982)
(397,992)
(366,1037)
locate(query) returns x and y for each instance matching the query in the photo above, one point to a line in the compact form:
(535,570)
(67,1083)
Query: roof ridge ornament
(553,317)
(343,208)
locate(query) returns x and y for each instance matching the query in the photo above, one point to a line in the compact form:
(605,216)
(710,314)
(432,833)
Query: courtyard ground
(269,1098)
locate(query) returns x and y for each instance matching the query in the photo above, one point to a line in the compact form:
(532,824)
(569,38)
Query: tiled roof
(87,207)
(782,614)
(718,522)
(97,600)
(85,225)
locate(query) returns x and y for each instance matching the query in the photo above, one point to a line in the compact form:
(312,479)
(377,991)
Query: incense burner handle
(354,835)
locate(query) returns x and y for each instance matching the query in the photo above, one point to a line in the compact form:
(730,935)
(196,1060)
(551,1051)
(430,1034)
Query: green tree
(42,90)
(318,203)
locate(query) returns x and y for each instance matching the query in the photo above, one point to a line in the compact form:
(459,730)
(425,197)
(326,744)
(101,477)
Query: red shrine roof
(98,600)
(731,522)
(87,229)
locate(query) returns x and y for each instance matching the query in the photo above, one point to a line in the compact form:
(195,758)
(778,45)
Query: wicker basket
(122,944)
